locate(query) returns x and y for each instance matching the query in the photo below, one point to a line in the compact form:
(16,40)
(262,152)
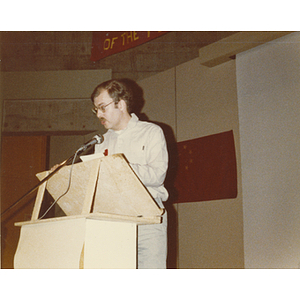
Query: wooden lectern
(105,203)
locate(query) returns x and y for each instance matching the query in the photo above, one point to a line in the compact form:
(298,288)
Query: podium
(104,204)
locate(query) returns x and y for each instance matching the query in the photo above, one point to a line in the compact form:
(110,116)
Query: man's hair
(117,90)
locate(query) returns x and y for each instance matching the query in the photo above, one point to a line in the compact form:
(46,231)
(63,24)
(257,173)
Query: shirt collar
(132,122)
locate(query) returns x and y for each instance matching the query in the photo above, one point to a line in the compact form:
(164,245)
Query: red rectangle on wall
(207,168)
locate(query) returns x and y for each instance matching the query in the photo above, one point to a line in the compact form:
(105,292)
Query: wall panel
(269,110)
(211,232)
(159,95)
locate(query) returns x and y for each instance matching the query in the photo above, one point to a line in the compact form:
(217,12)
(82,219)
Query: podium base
(73,243)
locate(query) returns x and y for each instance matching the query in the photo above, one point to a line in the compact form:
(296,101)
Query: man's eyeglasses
(102,108)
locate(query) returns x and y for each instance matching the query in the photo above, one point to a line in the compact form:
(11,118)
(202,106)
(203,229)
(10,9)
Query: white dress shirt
(144,146)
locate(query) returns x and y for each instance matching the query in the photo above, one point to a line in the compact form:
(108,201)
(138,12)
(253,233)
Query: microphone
(97,139)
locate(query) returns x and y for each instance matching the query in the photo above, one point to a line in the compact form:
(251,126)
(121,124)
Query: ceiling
(62,50)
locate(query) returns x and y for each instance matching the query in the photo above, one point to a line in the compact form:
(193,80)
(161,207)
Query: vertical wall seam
(176,136)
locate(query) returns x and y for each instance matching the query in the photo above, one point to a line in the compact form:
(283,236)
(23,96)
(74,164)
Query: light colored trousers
(152,245)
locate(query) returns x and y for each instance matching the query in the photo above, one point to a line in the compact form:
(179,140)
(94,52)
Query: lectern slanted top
(105,187)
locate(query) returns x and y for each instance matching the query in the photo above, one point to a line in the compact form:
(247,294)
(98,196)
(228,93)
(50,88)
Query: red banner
(106,43)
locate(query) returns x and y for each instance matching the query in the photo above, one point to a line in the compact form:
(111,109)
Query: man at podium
(144,146)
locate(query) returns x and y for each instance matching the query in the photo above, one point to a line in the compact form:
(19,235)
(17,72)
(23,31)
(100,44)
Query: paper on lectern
(89,157)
